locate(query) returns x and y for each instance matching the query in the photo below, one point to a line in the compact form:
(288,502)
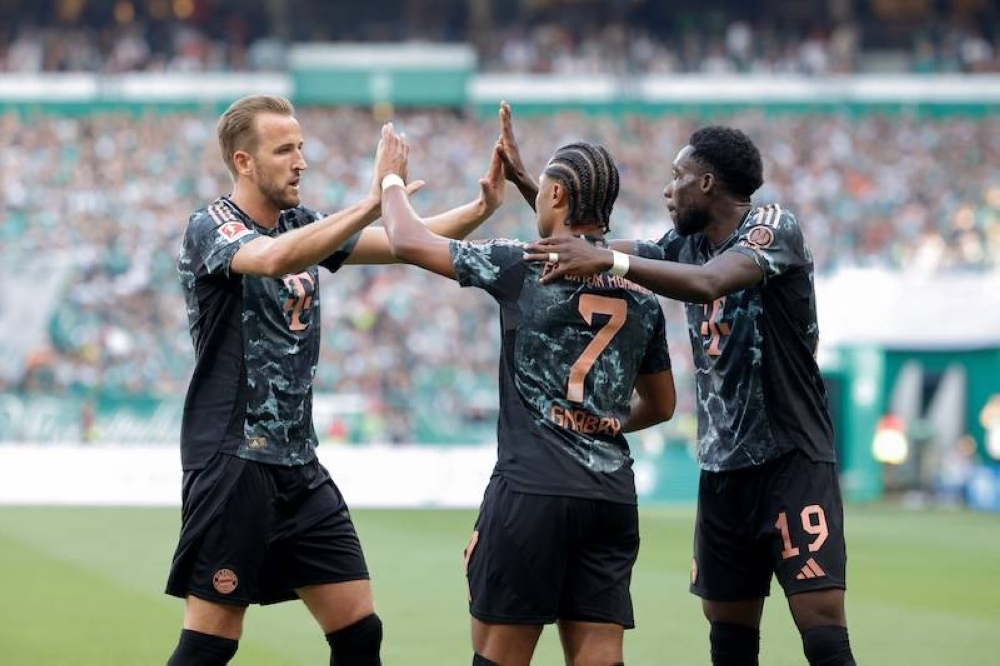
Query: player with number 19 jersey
(256,343)
(571,351)
(758,384)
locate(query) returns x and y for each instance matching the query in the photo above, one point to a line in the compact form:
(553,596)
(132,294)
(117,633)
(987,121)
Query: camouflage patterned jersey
(570,356)
(256,343)
(760,393)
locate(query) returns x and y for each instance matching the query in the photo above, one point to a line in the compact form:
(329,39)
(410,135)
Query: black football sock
(197,649)
(734,644)
(827,646)
(357,644)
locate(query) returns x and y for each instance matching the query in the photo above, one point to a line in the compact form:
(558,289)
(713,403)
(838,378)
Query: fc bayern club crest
(225,581)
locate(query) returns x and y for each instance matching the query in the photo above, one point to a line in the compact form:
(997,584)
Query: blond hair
(236,126)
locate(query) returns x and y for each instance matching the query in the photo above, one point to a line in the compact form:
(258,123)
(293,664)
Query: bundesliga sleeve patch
(233,230)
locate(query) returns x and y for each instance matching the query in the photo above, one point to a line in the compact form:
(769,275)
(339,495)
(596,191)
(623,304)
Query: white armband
(620,265)
(392,179)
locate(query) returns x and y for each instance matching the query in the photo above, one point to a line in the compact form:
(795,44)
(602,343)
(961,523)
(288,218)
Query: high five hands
(392,156)
(492,185)
(513,167)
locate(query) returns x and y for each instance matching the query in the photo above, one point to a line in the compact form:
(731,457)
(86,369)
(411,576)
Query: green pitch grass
(82,586)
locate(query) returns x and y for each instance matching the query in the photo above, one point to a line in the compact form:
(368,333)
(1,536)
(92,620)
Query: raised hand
(392,156)
(510,154)
(492,185)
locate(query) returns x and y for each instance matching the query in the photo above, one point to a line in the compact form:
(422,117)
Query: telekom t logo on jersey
(301,288)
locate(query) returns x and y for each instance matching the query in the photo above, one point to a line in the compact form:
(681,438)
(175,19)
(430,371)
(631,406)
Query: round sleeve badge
(760,236)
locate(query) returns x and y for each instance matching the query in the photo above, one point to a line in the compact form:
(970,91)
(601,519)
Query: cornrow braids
(610,193)
(590,177)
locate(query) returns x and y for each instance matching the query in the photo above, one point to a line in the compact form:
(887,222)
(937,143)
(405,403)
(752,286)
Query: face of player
(545,202)
(278,162)
(687,201)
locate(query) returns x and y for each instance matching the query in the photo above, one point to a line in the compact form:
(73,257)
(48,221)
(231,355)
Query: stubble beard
(277,194)
(690,223)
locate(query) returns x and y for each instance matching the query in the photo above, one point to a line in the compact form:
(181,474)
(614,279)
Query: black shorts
(253,533)
(785,518)
(535,559)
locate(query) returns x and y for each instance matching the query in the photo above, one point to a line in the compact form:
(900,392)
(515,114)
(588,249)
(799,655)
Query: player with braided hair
(583,362)
(591,180)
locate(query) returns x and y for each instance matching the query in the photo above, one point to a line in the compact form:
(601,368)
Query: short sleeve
(668,247)
(772,238)
(647,250)
(215,235)
(340,255)
(496,266)
(657,357)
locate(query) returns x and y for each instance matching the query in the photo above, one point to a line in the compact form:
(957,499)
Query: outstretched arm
(727,273)
(294,251)
(510,154)
(458,223)
(410,240)
(373,245)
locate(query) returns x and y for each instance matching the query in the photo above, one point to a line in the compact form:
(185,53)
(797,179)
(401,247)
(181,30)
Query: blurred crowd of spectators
(735,47)
(623,48)
(176,47)
(110,195)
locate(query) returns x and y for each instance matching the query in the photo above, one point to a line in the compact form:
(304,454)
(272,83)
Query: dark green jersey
(760,393)
(571,353)
(256,343)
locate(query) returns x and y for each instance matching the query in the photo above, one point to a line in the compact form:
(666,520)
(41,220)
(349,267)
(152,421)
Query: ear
(559,197)
(243,162)
(707,182)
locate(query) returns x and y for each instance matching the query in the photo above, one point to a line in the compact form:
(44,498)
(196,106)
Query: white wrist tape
(620,265)
(392,179)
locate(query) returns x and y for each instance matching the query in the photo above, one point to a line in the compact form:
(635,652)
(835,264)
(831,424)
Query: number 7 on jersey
(591,304)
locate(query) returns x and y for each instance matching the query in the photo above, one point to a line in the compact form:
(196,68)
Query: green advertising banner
(51,419)
(373,74)
(437,75)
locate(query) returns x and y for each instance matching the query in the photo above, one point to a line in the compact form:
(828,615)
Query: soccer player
(769,498)
(262,521)
(557,533)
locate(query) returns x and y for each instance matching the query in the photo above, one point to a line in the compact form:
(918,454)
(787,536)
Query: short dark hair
(590,177)
(731,156)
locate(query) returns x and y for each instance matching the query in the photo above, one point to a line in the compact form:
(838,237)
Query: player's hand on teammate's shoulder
(568,255)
